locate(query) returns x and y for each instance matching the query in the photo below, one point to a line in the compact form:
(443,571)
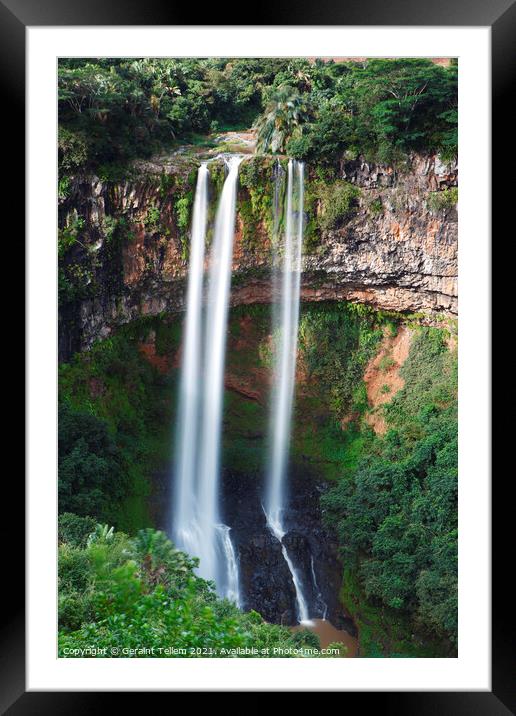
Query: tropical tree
(283,115)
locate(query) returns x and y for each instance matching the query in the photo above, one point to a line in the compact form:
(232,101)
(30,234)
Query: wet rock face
(266,581)
(394,252)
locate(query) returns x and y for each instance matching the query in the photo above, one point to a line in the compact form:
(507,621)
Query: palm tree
(284,113)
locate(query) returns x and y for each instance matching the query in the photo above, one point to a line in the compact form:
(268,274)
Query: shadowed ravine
(265,581)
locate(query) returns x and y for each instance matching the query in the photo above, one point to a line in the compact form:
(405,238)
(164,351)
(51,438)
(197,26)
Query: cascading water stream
(231,588)
(285,324)
(210,548)
(184,520)
(319,600)
(197,526)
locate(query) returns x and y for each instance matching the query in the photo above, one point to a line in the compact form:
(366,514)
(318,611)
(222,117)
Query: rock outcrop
(126,246)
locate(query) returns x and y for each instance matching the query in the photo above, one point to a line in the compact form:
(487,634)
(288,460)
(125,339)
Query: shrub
(376,207)
(335,343)
(336,201)
(90,465)
(72,149)
(386,362)
(113,110)
(443,200)
(73,529)
(323,140)
(63,187)
(152,219)
(138,592)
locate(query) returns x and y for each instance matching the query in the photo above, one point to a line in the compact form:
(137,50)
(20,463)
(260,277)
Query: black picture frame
(15,16)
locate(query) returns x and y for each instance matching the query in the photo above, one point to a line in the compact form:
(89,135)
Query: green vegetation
(285,112)
(396,513)
(386,362)
(123,594)
(255,199)
(117,425)
(183,208)
(63,187)
(152,219)
(69,235)
(383,109)
(375,207)
(91,477)
(393,500)
(443,200)
(86,254)
(336,341)
(393,504)
(114,110)
(335,202)
(383,632)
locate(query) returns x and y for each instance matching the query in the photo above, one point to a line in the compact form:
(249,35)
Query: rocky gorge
(382,237)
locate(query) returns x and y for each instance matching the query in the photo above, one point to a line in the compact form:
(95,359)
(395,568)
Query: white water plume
(188,415)
(285,325)
(216,327)
(230,586)
(319,597)
(197,526)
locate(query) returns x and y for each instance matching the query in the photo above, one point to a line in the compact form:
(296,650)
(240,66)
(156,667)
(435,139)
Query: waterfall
(184,522)
(198,527)
(319,600)
(216,325)
(230,588)
(285,325)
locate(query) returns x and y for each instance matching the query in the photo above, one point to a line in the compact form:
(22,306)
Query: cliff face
(124,245)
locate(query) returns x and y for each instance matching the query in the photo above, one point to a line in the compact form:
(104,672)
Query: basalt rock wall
(124,243)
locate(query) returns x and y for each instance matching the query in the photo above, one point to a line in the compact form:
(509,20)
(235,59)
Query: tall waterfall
(197,526)
(285,325)
(184,522)
(211,552)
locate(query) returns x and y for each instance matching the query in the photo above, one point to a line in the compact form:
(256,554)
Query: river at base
(327,634)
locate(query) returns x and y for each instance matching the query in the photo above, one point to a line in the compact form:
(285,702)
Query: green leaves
(286,111)
(112,110)
(336,202)
(139,597)
(90,466)
(336,343)
(323,139)
(397,514)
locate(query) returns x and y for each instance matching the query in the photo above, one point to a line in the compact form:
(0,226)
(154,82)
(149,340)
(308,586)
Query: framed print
(258,355)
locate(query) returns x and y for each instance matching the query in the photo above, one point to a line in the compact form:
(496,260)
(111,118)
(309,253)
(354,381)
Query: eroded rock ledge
(397,251)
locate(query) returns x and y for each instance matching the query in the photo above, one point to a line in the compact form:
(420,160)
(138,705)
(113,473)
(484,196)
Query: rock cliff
(123,243)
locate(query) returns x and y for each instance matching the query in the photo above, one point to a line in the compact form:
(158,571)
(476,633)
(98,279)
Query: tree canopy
(396,513)
(113,110)
(139,597)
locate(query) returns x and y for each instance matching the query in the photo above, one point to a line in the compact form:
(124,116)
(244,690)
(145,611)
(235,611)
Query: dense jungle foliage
(395,510)
(124,595)
(115,425)
(113,110)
